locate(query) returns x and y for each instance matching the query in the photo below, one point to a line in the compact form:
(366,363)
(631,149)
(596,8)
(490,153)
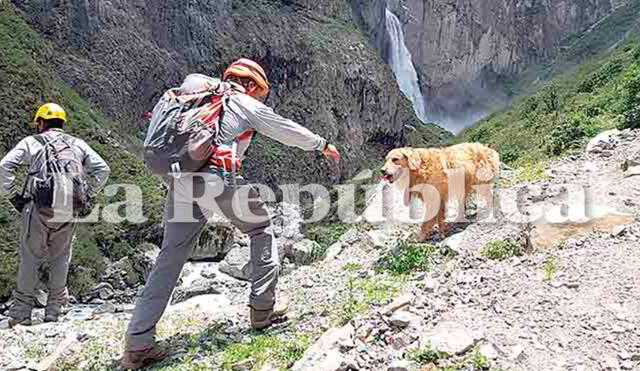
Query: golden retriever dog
(422,171)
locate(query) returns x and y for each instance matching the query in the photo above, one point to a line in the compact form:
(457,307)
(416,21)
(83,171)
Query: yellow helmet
(50,111)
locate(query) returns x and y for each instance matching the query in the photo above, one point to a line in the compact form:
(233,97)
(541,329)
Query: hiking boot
(261,319)
(13,322)
(51,318)
(137,359)
(52,314)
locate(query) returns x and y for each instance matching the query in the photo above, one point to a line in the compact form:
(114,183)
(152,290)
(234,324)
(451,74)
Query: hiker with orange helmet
(236,117)
(53,157)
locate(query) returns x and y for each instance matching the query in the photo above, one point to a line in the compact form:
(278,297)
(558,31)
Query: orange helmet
(249,69)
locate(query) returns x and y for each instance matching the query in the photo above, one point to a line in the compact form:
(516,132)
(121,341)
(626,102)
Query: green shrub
(424,355)
(549,267)
(509,153)
(593,111)
(500,250)
(631,104)
(530,105)
(81,281)
(120,250)
(478,134)
(409,257)
(362,293)
(87,263)
(549,96)
(479,360)
(569,133)
(325,234)
(636,54)
(605,74)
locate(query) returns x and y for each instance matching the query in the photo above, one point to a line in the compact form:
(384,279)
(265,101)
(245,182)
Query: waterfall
(402,66)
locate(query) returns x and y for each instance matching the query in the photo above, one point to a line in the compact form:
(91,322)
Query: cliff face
(469,53)
(121,55)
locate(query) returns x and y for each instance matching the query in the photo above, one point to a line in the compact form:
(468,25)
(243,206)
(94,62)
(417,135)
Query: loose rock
(304,252)
(402,319)
(236,263)
(397,304)
(448,337)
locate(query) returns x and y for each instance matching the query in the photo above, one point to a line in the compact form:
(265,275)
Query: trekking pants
(42,242)
(233,201)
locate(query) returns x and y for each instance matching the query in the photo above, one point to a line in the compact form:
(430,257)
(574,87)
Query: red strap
(246,135)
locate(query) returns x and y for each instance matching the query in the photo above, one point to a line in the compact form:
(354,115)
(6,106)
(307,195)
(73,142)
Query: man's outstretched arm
(265,121)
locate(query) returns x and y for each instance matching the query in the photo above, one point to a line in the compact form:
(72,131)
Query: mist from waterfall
(402,66)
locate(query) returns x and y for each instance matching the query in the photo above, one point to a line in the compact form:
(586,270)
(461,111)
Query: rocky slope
(565,301)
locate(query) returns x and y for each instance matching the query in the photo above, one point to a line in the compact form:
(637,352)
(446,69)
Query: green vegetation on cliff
(601,94)
(27,81)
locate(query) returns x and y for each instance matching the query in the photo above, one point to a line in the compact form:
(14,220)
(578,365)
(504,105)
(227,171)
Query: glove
(18,202)
(330,151)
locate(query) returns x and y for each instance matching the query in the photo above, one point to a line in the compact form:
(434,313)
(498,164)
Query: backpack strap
(40,139)
(50,152)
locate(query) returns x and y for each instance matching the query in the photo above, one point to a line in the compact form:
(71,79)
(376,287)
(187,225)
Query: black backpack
(59,178)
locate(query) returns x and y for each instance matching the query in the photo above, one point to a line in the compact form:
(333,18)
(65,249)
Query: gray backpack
(58,178)
(182,130)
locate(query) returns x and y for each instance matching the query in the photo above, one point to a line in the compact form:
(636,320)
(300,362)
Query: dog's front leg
(426,230)
(442,225)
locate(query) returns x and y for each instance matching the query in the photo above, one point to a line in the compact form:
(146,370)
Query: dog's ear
(414,159)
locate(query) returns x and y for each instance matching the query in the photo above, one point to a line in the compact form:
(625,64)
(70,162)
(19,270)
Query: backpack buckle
(175,170)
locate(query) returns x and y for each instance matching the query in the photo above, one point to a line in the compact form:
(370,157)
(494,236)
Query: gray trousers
(42,242)
(180,238)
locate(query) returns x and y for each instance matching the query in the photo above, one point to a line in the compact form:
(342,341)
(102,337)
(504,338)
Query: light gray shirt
(25,151)
(244,112)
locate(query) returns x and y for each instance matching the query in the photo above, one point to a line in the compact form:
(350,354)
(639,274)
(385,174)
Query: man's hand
(330,151)
(18,202)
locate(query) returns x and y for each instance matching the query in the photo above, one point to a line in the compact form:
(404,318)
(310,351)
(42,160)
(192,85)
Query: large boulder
(215,242)
(325,354)
(145,258)
(448,337)
(304,252)
(605,141)
(287,221)
(124,269)
(236,263)
(201,286)
(215,306)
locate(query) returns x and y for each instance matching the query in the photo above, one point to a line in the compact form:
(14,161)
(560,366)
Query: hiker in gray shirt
(52,156)
(243,115)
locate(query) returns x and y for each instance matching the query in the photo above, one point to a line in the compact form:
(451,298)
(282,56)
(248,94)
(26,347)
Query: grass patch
(526,171)
(363,293)
(409,257)
(501,250)
(325,235)
(549,267)
(261,349)
(428,356)
(425,355)
(480,361)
